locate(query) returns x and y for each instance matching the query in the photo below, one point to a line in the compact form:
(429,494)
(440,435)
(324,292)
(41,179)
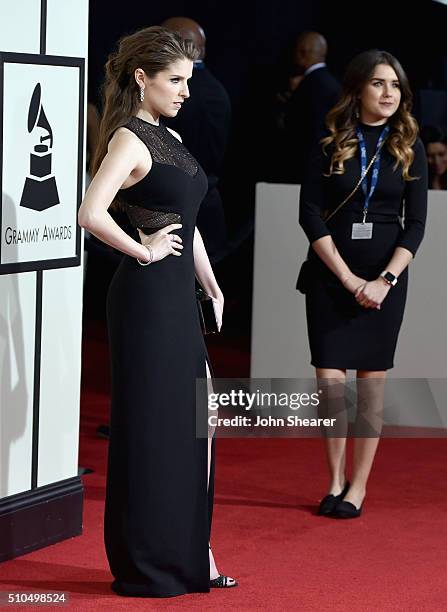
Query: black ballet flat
(223,582)
(346,510)
(329,502)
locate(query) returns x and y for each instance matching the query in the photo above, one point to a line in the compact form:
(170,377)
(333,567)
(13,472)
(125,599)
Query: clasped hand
(162,242)
(369,294)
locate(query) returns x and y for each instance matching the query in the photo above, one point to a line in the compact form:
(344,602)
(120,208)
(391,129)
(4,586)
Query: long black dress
(343,334)
(158,510)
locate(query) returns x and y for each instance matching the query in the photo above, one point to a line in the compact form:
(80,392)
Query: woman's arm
(311,198)
(327,251)
(374,292)
(316,230)
(202,267)
(205,274)
(123,156)
(415,200)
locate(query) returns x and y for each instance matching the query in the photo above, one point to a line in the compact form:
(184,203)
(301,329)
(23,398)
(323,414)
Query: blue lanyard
(375,168)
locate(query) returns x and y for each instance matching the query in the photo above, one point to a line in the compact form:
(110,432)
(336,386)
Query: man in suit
(313,91)
(204,123)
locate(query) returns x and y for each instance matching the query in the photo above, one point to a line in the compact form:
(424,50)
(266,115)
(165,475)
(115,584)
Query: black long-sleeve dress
(158,509)
(343,334)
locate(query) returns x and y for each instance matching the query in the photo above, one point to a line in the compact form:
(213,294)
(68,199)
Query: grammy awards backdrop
(38,218)
(43,51)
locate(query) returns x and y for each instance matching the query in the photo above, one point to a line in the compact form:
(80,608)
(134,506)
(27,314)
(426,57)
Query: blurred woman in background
(435,141)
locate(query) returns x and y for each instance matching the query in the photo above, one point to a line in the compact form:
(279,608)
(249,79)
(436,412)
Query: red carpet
(265,529)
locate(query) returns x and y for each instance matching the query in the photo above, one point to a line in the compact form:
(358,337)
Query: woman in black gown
(159,498)
(357,270)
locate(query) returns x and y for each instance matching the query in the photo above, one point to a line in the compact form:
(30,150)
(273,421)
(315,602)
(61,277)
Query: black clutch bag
(207,314)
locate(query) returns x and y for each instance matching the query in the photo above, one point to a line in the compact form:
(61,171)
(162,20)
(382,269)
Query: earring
(141,93)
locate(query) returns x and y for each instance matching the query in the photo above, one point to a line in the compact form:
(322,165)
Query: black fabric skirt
(343,334)
(158,508)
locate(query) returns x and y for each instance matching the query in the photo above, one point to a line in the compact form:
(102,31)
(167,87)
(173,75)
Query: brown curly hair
(342,119)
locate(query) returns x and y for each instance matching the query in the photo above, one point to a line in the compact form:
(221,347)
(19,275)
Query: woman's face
(437,157)
(380,97)
(165,93)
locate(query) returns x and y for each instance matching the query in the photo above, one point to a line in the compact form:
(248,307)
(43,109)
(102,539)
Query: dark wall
(241,35)
(412,31)
(246,39)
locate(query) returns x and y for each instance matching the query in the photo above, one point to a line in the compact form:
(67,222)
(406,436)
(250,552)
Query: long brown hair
(152,49)
(342,119)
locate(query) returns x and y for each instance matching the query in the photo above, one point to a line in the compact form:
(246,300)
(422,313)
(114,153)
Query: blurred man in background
(312,92)
(203,124)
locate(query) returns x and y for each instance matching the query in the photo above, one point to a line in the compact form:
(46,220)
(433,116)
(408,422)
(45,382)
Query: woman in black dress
(357,281)
(159,497)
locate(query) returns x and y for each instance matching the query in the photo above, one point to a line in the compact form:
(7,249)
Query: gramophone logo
(40,189)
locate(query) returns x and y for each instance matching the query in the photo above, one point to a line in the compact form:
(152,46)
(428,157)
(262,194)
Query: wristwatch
(389,278)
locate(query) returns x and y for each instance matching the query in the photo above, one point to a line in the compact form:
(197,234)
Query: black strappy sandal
(223,582)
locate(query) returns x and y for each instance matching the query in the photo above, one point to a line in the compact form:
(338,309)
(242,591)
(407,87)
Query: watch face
(389,277)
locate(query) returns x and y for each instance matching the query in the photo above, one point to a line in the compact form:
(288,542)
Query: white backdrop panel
(422,346)
(279,341)
(19,32)
(67,34)
(67,27)
(17,331)
(20,26)
(60,375)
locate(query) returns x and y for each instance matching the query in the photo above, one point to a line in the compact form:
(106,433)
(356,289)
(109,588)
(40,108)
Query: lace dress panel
(150,220)
(163,146)
(165,149)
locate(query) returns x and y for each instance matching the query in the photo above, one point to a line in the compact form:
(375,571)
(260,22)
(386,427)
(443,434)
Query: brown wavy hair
(152,49)
(342,119)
